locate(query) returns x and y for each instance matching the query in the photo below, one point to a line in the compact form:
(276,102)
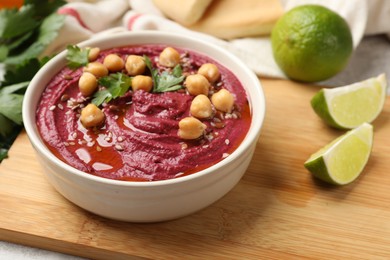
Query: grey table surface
(371,58)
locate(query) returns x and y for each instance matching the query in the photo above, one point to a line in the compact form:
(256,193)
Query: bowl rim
(251,136)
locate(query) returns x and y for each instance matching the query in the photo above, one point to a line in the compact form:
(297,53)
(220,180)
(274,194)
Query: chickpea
(169,57)
(201,107)
(141,82)
(93,53)
(191,128)
(210,71)
(197,84)
(135,65)
(91,116)
(87,84)
(113,62)
(223,100)
(97,69)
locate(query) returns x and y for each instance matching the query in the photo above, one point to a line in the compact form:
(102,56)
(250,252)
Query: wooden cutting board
(276,211)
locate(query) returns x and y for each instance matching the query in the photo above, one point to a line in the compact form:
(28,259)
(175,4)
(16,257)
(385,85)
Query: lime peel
(342,160)
(349,106)
(311,43)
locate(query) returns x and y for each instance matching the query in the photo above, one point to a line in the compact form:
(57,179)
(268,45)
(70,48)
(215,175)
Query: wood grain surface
(277,210)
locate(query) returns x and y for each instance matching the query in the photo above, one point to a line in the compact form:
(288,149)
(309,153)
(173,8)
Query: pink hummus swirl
(139,139)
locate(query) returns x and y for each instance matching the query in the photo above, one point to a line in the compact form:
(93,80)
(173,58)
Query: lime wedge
(349,106)
(341,161)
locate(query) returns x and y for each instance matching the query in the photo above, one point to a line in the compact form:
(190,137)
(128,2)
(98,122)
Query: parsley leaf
(21,72)
(153,71)
(8,133)
(102,96)
(16,22)
(11,101)
(116,85)
(76,57)
(24,35)
(44,8)
(6,126)
(3,153)
(166,81)
(3,52)
(177,71)
(48,31)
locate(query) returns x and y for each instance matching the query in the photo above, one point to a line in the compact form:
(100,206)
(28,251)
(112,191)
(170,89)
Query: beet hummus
(143,136)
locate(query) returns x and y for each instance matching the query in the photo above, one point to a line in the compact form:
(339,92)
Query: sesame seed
(224,155)
(184,146)
(219,125)
(60,106)
(228,116)
(179,174)
(227,141)
(120,139)
(119,147)
(98,148)
(65,97)
(75,107)
(238,114)
(52,108)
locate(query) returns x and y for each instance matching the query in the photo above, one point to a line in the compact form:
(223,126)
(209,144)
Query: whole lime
(311,43)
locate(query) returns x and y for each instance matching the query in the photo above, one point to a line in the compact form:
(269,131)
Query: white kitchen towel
(86,19)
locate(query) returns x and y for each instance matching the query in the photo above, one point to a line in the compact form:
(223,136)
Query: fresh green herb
(76,57)
(32,44)
(3,152)
(153,71)
(23,72)
(9,131)
(16,22)
(7,126)
(11,98)
(116,85)
(44,8)
(165,81)
(24,35)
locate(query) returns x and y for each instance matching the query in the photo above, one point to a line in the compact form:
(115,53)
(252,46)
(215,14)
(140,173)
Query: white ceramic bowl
(157,200)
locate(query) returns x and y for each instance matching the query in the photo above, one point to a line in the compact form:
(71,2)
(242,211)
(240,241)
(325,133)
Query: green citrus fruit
(311,43)
(341,161)
(349,106)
